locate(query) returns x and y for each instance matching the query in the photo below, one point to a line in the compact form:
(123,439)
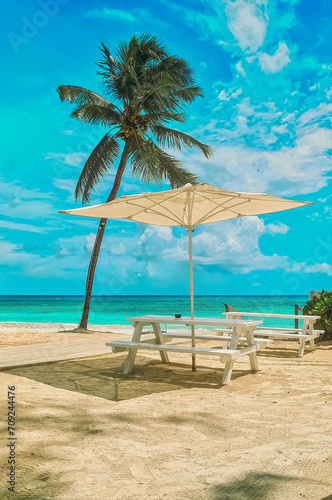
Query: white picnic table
(237,327)
(304,334)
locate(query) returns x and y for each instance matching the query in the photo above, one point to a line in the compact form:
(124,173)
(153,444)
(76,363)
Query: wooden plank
(159,340)
(129,363)
(186,320)
(227,372)
(211,337)
(273,328)
(50,352)
(270,315)
(251,341)
(268,333)
(144,341)
(225,353)
(295,330)
(229,364)
(301,348)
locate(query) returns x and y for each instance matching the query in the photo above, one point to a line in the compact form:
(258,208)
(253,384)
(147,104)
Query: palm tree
(147,88)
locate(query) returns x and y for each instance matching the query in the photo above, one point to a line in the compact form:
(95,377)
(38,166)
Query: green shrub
(321,305)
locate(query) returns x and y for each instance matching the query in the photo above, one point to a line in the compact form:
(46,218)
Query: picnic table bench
(223,335)
(239,329)
(303,335)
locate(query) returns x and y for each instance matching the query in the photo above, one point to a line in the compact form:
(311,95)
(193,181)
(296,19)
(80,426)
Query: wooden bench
(238,328)
(304,335)
(225,355)
(261,343)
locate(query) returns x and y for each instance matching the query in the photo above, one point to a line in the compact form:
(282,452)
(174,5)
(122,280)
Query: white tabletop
(271,315)
(186,320)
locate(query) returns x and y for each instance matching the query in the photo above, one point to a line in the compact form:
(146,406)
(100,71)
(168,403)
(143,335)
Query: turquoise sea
(113,309)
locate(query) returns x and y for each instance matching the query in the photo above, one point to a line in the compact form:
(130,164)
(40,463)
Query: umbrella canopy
(187,207)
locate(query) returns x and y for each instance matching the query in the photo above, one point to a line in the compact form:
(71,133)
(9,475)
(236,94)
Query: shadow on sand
(253,487)
(104,378)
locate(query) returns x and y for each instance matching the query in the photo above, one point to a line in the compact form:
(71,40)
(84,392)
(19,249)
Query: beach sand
(86,431)
(12,334)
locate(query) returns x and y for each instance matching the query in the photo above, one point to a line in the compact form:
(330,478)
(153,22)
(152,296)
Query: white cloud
(156,232)
(72,159)
(157,254)
(151,271)
(28,209)
(240,70)
(223,96)
(233,245)
(15,190)
(313,115)
(65,184)
(303,267)
(132,15)
(118,249)
(276,62)
(319,268)
(34,265)
(280,129)
(278,228)
(112,14)
(292,170)
(227,95)
(21,202)
(66,132)
(248,22)
(21,227)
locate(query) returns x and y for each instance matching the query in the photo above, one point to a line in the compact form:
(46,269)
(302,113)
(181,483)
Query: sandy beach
(85,430)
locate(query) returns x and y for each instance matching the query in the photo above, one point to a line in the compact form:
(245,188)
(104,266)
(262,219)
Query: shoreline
(24,333)
(61,327)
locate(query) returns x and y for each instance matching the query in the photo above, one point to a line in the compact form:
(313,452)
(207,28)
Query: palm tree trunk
(98,241)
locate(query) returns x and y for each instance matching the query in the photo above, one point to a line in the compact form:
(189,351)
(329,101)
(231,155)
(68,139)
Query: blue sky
(266,70)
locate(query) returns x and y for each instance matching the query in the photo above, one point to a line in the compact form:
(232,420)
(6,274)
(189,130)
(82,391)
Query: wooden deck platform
(25,355)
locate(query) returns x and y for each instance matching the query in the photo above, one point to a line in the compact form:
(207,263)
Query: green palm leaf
(95,114)
(80,96)
(151,164)
(98,164)
(174,139)
(153,88)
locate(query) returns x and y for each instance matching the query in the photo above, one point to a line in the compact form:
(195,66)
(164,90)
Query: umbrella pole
(190,231)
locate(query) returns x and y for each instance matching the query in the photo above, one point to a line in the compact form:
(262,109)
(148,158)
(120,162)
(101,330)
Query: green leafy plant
(321,305)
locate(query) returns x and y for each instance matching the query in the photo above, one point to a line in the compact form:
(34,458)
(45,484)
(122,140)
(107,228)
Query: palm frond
(151,47)
(121,77)
(163,117)
(108,63)
(143,49)
(153,165)
(188,94)
(97,115)
(168,137)
(98,164)
(177,68)
(80,96)
(154,88)
(162,93)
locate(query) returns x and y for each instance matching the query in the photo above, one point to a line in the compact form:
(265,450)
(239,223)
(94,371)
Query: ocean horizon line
(113,309)
(152,295)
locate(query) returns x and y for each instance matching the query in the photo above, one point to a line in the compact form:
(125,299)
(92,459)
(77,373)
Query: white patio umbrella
(187,207)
